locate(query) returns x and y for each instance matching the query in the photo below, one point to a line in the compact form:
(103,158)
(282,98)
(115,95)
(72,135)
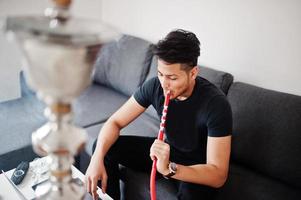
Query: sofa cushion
(144,125)
(220,79)
(266,131)
(91,107)
(96,104)
(153,70)
(242,183)
(123,64)
(246,184)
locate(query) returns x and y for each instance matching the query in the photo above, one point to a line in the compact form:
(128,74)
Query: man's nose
(165,83)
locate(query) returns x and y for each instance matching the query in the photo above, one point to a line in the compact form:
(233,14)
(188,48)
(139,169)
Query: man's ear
(194,72)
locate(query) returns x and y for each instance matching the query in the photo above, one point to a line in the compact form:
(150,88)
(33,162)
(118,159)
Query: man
(195,154)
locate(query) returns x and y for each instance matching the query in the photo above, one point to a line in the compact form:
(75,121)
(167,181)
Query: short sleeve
(144,94)
(219,118)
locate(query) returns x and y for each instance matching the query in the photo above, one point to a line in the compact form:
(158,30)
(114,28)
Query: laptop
(88,196)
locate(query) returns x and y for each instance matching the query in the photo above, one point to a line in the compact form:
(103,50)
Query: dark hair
(179,46)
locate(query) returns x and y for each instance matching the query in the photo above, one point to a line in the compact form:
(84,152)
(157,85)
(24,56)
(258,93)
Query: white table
(7,192)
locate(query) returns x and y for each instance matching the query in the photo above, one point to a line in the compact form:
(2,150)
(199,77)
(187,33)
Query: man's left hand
(161,151)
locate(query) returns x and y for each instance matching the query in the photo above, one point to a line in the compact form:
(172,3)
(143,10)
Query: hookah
(160,137)
(60,51)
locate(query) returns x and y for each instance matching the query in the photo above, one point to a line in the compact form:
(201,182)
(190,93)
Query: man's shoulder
(151,85)
(147,92)
(153,80)
(208,89)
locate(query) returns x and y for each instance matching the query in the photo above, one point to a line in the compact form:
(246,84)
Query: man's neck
(187,93)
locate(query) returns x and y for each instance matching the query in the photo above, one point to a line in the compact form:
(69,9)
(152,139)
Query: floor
(10,66)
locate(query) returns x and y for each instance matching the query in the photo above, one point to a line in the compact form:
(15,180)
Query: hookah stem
(160,137)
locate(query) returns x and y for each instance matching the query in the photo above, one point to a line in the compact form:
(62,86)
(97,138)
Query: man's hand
(95,172)
(161,151)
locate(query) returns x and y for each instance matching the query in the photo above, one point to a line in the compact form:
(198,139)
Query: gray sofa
(265,158)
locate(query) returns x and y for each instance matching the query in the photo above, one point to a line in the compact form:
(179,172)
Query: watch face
(172,170)
(173,167)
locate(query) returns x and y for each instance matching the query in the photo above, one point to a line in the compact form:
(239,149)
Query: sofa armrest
(25,90)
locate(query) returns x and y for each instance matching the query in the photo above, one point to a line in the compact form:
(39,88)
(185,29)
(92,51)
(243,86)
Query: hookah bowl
(60,52)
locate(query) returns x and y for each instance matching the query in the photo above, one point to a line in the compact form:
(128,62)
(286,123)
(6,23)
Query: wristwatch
(172,170)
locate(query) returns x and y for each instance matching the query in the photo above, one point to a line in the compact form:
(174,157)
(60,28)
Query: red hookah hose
(160,137)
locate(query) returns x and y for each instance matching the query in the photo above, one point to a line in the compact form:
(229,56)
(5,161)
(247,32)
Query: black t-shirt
(206,112)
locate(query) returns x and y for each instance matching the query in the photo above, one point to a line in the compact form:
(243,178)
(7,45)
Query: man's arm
(107,136)
(214,173)
(110,131)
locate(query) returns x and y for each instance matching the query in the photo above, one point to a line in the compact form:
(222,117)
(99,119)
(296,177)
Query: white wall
(10,56)
(258,41)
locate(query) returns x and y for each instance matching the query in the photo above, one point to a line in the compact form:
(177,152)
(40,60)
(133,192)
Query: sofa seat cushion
(242,183)
(246,184)
(144,125)
(96,104)
(123,64)
(266,131)
(18,119)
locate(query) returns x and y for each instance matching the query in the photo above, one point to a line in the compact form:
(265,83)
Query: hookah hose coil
(160,137)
